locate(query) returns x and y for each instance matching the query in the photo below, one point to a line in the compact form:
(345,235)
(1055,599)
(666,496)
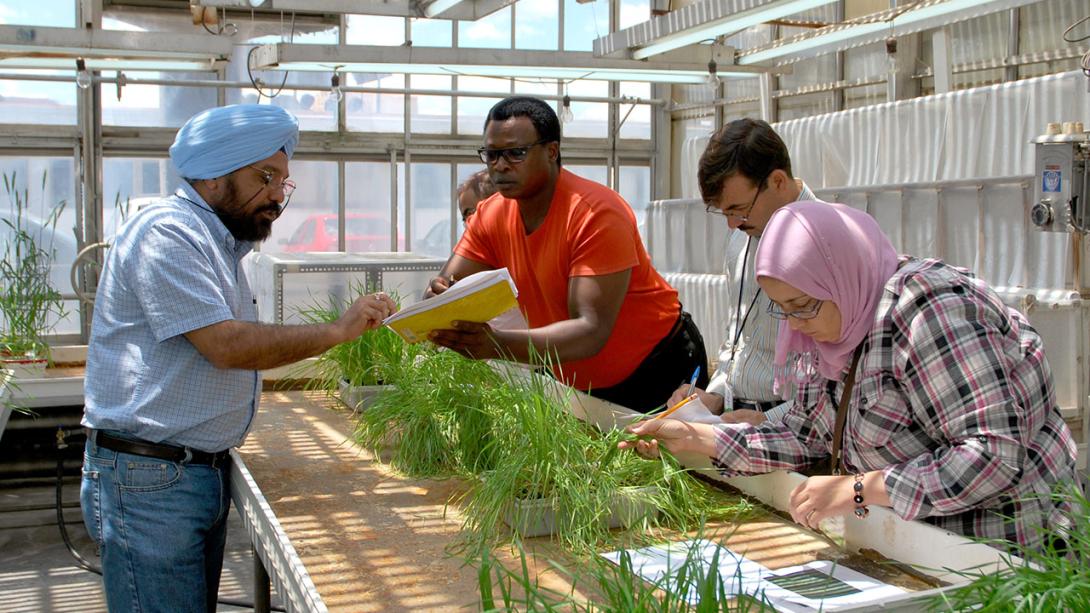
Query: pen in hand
(692,381)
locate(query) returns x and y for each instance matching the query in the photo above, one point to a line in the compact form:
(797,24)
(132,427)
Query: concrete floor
(37,573)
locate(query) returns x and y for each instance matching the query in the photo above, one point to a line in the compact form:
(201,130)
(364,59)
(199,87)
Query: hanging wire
(254,81)
(249,62)
(222,27)
(1084,63)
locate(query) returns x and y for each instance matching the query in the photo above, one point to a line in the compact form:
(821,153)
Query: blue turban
(219,141)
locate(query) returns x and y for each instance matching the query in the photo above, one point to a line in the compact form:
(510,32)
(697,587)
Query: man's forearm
(255,346)
(565,341)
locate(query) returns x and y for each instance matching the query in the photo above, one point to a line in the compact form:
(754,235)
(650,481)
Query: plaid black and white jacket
(954,402)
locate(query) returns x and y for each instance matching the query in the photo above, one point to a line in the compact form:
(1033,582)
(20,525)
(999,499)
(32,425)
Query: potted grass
(29,305)
(432,423)
(1054,577)
(361,369)
(554,474)
(529,463)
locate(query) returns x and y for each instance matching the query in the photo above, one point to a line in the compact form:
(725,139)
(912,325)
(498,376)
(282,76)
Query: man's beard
(244,226)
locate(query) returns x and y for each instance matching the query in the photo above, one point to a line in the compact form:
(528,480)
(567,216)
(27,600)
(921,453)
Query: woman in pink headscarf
(951,414)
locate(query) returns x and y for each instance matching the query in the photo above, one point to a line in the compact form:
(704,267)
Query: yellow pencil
(684,401)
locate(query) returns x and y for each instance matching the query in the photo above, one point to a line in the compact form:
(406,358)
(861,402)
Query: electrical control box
(1060,183)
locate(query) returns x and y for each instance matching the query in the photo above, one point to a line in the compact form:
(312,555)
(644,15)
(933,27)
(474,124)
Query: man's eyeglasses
(287,186)
(808,312)
(713,208)
(513,155)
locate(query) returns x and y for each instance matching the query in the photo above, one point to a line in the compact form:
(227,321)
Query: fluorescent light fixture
(43,47)
(735,22)
(504,63)
(437,7)
(933,14)
(469,10)
(96,64)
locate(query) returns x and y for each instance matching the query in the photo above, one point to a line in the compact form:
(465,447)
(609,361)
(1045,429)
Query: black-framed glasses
(712,208)
(287,186)
(807,312)
(513,155)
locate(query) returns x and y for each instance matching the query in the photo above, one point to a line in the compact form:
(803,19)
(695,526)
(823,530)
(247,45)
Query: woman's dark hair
(749,147)
(540,113)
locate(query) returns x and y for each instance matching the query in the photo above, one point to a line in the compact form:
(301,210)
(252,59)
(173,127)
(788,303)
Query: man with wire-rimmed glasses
(172,365)
(608,321)
(745,175)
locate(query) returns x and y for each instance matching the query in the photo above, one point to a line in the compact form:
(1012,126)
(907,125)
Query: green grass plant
(511,436)
(432,423)
(541,451)
(1053,578)
(376,357)
(610,588)
(30,306)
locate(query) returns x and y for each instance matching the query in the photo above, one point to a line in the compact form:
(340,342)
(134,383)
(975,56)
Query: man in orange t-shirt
(594,303)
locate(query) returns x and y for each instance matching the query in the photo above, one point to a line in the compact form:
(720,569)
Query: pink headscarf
(831,252)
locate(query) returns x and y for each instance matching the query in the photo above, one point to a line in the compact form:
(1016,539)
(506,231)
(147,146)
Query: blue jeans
(160,527)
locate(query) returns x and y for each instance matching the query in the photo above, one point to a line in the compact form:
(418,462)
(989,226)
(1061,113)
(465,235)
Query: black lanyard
(738,308)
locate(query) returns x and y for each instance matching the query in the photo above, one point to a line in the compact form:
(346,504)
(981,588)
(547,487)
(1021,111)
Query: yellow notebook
(479,297)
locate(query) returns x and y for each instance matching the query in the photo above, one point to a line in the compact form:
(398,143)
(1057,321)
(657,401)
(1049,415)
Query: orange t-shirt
(589,231)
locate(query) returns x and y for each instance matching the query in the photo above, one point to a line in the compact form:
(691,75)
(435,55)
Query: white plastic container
(539,516)
(359,397)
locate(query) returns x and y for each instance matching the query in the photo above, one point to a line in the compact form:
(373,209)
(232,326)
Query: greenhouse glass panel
(311,221)
(43,184)
(491,32)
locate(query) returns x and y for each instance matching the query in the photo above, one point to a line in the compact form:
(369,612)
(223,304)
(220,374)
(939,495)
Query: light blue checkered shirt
(173,268)
(751,373)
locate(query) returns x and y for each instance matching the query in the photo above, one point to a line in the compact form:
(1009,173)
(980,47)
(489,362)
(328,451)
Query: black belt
(756,405)
(160,451)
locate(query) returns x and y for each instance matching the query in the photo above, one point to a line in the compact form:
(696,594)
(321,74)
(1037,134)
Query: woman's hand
(675,435)
(820,497)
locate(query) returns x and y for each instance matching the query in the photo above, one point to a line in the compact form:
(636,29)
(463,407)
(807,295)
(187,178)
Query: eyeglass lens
(513,155)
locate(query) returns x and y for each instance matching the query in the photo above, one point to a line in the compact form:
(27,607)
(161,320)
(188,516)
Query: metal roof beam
(696,23)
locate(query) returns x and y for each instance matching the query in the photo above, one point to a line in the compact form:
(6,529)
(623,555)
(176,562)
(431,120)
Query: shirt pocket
(880,411)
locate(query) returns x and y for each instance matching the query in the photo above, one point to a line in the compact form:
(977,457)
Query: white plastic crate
(285,282)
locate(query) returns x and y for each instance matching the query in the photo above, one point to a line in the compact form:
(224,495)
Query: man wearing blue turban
(172,365)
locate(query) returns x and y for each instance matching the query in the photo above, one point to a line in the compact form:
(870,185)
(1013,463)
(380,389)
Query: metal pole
(1013,37)
(341,206)
(288,87)
(940,52)
(408,203)
(838,67)
(262,596)
(393,199)
(661,140)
